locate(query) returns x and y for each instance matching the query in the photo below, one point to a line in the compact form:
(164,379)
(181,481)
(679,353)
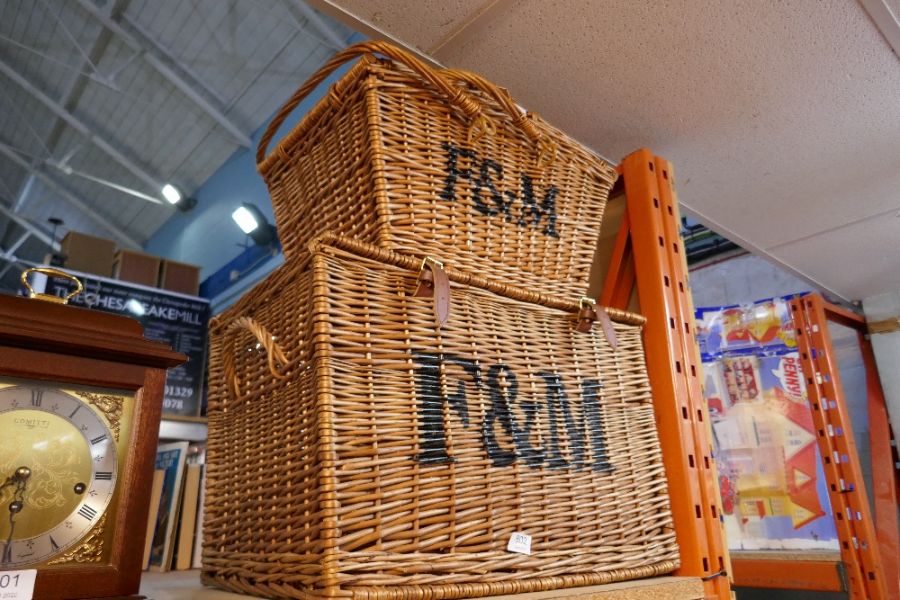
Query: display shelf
(185,585)
(808,570)
(191,430)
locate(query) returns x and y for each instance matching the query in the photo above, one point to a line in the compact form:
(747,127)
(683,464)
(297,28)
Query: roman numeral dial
(39,424)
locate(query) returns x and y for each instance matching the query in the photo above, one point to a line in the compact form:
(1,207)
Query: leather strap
(433,281)
(608,330)
(589,313)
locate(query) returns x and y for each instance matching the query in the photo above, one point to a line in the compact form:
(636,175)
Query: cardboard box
(180,277)
(88,254)
(137,267)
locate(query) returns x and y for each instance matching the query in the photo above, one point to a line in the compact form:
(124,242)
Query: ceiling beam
(11,261)
(73,92)
(143,36)
(83,129)
(69,197)
(168,73)
(10,253)
(77,84)
(18,243)
(28,226)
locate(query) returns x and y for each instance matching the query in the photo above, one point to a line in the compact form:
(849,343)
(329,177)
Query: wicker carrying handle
(437,77)
(519,117)
(266,340)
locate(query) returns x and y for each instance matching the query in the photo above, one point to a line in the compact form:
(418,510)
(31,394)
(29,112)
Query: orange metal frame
(885,481)
(859,571)
(649,253)
(859,546)
(863,550)
(819,575)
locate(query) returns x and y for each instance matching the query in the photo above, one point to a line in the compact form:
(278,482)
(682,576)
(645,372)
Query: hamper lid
(413,263)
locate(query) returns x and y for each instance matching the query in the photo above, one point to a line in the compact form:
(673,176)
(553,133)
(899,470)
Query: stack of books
(174,524)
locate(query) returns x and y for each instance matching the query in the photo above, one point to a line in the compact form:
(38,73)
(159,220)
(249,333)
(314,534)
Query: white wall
(886,347)
(742,280)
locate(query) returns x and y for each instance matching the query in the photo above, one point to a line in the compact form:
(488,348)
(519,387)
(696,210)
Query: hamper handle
(548,148)
(266,340)
(464,101)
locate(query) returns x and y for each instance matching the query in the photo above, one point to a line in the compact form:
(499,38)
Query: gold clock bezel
(115,409)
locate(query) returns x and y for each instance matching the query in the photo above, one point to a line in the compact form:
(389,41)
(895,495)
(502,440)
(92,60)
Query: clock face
(59,465)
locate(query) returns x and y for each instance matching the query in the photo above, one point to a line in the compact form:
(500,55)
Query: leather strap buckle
(433,281)
(589,312)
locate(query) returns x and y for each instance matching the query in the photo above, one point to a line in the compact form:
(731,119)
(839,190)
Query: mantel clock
(80,403)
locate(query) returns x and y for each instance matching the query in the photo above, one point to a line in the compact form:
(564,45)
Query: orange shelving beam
(649,253)
(885,481)
(882,449)
(846,488)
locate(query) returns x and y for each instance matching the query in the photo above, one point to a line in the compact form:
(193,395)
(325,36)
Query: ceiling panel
(865,252)
(44,41)
(424,24)
(24,123)
(782,119)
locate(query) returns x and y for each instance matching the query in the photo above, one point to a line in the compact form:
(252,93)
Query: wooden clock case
(46,341)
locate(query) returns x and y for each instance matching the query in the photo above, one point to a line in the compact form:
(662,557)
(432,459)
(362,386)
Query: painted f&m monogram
(435,389)
(483,176)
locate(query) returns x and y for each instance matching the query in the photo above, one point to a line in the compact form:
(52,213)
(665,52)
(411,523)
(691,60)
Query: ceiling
(782,118)
(135,94)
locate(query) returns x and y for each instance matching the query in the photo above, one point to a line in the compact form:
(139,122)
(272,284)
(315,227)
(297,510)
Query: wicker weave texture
(389,157)
(357,450)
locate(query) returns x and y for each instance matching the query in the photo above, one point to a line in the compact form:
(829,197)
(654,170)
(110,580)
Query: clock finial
(53,273)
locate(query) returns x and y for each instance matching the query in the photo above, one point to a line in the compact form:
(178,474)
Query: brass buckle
(433,261)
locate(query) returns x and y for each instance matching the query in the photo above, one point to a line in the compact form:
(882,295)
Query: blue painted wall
(207,236)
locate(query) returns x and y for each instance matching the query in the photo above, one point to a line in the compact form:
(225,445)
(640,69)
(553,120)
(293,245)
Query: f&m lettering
(586,444)
(484,176)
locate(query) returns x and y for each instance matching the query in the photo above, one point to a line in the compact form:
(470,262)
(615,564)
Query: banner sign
(773,487)
(179,320)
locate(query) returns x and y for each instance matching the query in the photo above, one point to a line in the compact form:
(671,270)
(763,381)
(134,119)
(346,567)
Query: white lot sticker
(17,585)
(519,542)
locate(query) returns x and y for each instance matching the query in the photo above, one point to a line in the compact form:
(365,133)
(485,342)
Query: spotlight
(171,194)
(253,222)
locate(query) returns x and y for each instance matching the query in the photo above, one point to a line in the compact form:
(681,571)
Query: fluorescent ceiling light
(245,220)
(171,194)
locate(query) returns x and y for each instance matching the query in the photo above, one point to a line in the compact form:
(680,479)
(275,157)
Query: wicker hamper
(426,161)
(357,448)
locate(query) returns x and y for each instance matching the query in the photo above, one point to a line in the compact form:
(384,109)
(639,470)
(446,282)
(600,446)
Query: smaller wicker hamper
(358,448)
(425,162)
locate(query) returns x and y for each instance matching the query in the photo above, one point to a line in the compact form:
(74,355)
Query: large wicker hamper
(437,162)
(359,449)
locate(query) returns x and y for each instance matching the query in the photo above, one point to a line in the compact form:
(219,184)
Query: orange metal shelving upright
(648,254)
(648,258)
(859,544)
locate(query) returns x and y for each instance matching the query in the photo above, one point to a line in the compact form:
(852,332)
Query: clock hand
(19,479)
